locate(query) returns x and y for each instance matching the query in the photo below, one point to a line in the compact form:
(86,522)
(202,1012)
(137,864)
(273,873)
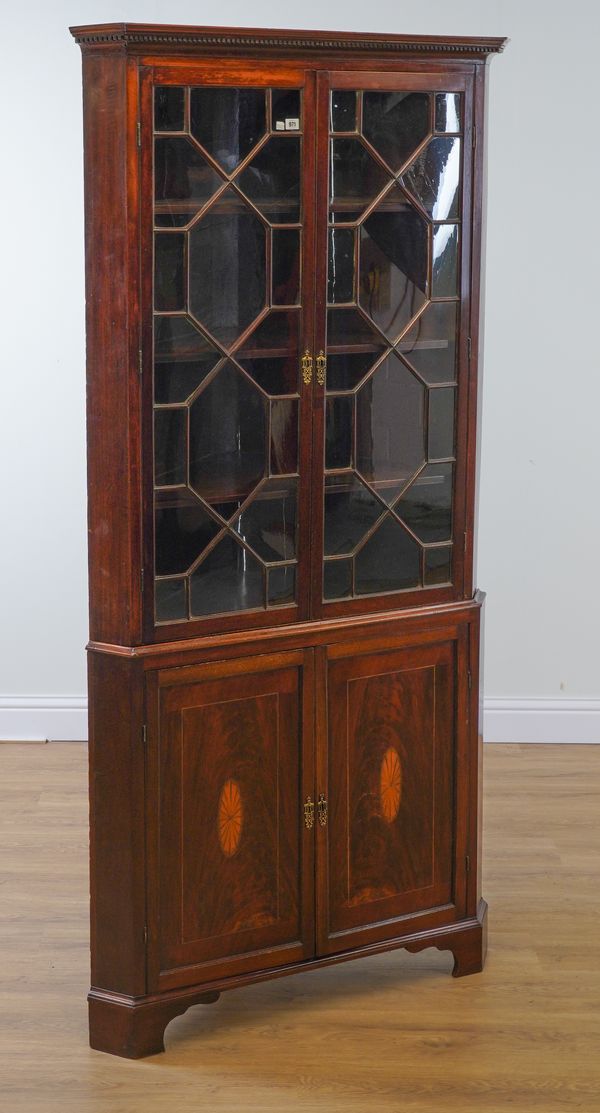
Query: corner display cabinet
(283,237)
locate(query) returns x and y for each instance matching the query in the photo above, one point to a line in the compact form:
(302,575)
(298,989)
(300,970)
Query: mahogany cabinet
(283,245)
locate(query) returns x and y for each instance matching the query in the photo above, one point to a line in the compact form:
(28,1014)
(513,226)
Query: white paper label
(292,124)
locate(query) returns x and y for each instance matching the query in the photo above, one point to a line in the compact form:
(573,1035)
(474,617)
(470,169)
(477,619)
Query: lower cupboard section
(307,803)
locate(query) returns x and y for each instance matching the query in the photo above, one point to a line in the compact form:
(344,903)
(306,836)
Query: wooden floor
(392,1033)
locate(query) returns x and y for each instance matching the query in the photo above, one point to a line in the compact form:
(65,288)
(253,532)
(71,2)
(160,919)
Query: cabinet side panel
(117,850)
(110,166)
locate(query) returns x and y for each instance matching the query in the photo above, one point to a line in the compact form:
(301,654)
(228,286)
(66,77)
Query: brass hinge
(142,580)
(145,935)
(139,361)
(467,864)
(306,366)
(144,734)
(469,348)
(474,137)
(321,367)
(309,813)
(138,131)
(469,680)
(322,810)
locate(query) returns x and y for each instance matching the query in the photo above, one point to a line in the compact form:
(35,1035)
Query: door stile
(321,787)
(308,792)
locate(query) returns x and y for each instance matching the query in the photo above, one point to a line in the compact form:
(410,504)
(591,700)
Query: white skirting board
(64,719)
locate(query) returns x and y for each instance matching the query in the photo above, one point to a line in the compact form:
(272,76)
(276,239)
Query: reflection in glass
(350,512)
(433,178)
(270,353)
(170,447)
(182,359)
(168,108)
(343,110)
(272,180)
(341,265)
(286,108)
(390,436)
(390,560)
(227,122)
(447,112)
(183,181)
(227,437)
(284,436)
(444,276)
(441,423)
(268,521)
(426,506)
(338,432)
(430,345)
(170,598)
(438,566)
(227,264)
(393,266)
(169,271)
(286,266)
(281,585)
(395,123)
(182,533)
(348,329)
(356,179)
(337,579)
(228,579)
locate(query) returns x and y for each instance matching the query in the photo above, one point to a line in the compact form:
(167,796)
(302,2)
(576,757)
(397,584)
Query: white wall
(540,512)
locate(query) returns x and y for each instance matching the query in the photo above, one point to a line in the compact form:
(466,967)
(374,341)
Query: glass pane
(337,579)
(228,428)
(268,521)
(286,266)
(183,181)
(430,345)
(341,265)
(447,112)
(270,353)
(284,436)
(350,512)
(441,423)
(343,110)
(170,600)
(182,359)
(286,110)
(339,432)
(182,533)
(170,447)
(168,108)
(390,560)
(360,348)
(390,427)
(426,506)
(393,264)
(434,176)
(272,180)
(282,585)
(438,566)
(396,123)
(228,579)
(444,278)
(169,271)
(356,179)
(227,122)
(227,263)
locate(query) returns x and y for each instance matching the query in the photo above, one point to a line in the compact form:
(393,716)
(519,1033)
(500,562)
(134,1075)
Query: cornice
(136,35)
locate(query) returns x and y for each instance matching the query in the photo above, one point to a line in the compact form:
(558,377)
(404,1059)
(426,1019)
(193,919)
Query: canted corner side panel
(117,852)
(392,731)
(231,859)
(110,166)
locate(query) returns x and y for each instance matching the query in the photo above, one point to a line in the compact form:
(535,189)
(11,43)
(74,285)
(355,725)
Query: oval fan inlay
(230,817)
(390,784)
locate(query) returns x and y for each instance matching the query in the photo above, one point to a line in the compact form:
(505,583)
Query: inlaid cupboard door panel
(386,842)
(235,874)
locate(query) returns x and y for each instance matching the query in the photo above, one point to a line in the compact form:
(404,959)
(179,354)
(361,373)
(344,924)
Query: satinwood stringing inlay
(230,817)
(390,784)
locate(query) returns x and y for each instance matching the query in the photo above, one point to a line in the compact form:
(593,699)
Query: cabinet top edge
(142,35)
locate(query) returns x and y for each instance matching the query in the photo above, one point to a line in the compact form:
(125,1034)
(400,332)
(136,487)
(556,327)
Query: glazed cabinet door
(386,855)
(230,865)
(228,213)
(391,440)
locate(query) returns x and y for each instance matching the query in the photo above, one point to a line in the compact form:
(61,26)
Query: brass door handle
(322,810)
(321,367)
(309,813)
(306,366)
